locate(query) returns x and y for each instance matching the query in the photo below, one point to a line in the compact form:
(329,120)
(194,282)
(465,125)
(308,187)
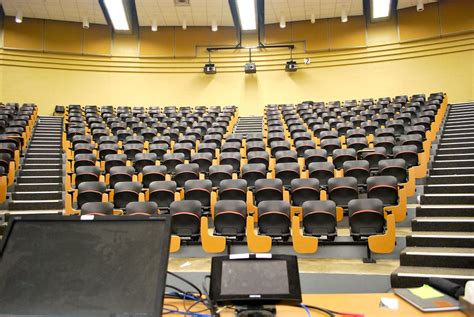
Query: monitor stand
(255,311)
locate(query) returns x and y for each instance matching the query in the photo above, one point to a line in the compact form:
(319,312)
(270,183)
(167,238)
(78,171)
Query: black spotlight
(291,66)
(210,69)
(250,68)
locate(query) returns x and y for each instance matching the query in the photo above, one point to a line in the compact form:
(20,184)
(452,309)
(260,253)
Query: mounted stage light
(344,18)
(214,27)
(184,25)
(380,9)
(118,16)
(19,17)
(210,69)
(313,18)
(250,67)
(291,66)
(247,14)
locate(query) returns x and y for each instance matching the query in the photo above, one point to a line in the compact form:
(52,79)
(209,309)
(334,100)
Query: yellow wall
(414,52)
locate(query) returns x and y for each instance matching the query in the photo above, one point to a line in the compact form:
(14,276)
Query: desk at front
(365,304)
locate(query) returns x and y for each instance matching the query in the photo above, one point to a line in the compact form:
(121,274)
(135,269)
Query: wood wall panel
(347,35)
(125,45)
(64,37)
(97,40)
(415,25)
(380,33)
(159,43)
(27,35)
(456,16)
(187,40)
(224,36)
(315,34)
(275,34)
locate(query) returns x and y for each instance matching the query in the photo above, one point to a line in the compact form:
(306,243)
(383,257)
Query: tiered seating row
(313,164)
(16,125)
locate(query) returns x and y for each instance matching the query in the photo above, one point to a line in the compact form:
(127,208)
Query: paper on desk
(426,292)
(390,303)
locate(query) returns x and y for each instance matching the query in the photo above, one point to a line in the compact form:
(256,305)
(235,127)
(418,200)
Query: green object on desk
(426,292)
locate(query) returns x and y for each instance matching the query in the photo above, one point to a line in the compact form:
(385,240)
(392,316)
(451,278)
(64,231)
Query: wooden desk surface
(365,304)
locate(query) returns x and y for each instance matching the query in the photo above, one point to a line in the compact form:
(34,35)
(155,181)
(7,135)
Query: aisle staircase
(442,239)
(39,184)
(247,125)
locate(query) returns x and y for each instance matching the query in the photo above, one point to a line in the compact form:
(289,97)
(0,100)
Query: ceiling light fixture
(282,22)
(116,12)
(214,27)
(184,26)
(247,14)
(344,16)
(420,6)
(85,23)
(380,9)
(154,26)
(19,17)
(313,18)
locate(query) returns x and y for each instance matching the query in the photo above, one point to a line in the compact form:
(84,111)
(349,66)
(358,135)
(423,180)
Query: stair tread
(441,234)
(436,271)
(451,250)
(444,219)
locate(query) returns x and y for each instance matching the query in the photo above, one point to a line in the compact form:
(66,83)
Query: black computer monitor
(255,279)
(108,266)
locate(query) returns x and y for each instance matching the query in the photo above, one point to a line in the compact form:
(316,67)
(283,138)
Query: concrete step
(42,172)
(32,187)
(443,224)
(447,199)
(414,276)
(36,205)
(446,189)
(37,195)
(445,211)
(441,239)
(437,257)
(40,180)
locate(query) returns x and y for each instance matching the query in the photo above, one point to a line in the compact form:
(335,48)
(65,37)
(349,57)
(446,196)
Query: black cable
(328,312)
(212,306)
(169,305)
(187,282)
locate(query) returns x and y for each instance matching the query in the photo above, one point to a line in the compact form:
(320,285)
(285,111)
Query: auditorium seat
(119,174)
(342,190)
(319,219)
(97,209)
(230,218)
(200,190)
(304,189)
(152,173)
(163,193)
(141,208)
(185,172)
(322,172)
(274,219)
(366,217)
(186,218)
(126,192)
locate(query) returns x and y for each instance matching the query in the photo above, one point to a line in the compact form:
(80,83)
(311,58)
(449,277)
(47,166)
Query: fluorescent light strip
(380,8)
(247,14)
(117,14)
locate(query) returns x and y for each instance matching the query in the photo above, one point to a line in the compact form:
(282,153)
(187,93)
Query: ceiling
(64,10)
(199,13)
